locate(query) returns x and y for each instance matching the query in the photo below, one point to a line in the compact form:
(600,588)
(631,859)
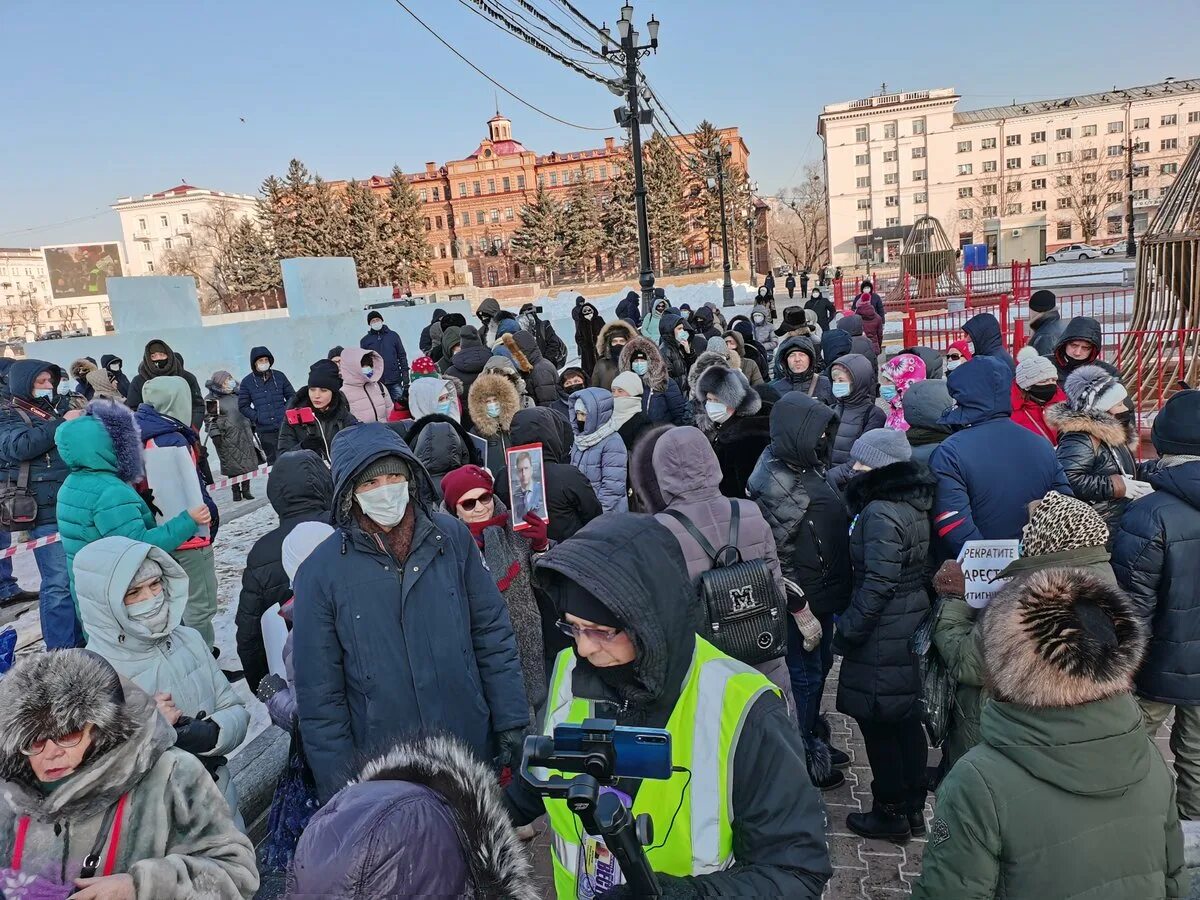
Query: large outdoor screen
(81,270)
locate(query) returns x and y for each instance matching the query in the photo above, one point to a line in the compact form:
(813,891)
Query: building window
(987,144)
(167,243)
(860,133)
(1168,119)
(864,203)
(1039,160)
(1064,157)
(164,221)
(1115,149)
(1141,147)
(964,214)
(891,155)
(990,212)
(891,201)
(1062,181)
(439,223)
(890,177)
(989,165)
(990,190)
(1115,197)
(1064,231)
(187,219)
(1114,224)
(1116,127)
(889,131)
(149,266)
(141,224)
(1193,139)
(921,198)
(918,152)
(1169,144)
(1115,174)
(1064,202)
(892,221)
(462,189)
(1013,162)
(508,214)
(491,185)
(1088,131)
(520,182)
(862,159)
(965,192)
(466,218)
(1037,137)
(495,215)
(964,146)
(1014,187)
(435,194)
(1012,140)
(1143,194)
(424,196)
(506,183)
(1012,209)
(1088,154)
(918,175)
(442,249)
(188,238)
(446,279)
(480,216)
(1089,200)
(1062,134)
(553,179)
(475,188)
(604,173)
(428,224)
(965,169)
(1168,168)
(1089,178)
(864,225)
(1140,124)
(1039,206)
(918,126)
(863,181)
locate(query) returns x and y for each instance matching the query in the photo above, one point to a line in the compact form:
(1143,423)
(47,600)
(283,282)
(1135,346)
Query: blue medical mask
(447,406)
(841,389)
(44,393)
(492,409)
(367,371)
(681,336)
(640,367)
(888,391)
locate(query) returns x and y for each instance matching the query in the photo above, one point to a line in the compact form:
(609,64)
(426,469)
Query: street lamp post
(727,284)
(750,253)
(1130,242)
(633,118)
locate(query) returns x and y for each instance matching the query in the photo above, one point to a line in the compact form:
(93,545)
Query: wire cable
(99,212)
(583,20)
(502,87)
(554,26)
(501,15)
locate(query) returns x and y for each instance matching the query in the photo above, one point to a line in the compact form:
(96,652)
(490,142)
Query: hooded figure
(442,445)
(984,331)
(431,334)
(774,825)
(79,370)
(390,348)
(1045,323)
(734,418)
(750,348)
(263,397)
(101,384)
(990,469)
(792,355)
(147,643)
(488,312)
(549,343)
(820,305)
(934,364)
(924,403)
(630,309)
(835,344)
(872,323)
(362,385)
(1096,444)
(702,322)
(613,338)
(230,431)
(299,489)
(856,411)
(649,328)
(493,402)
(901,371)
(168,362)
(570,497)
(330,419)
(541,377)
(114,366)
(376,656)
(1079,345)
(598,452)
(662,399)
(588,325)
(735,343)
(1064,759)
(764,331)
(675,346)
(467,364)
(859,342)
(572,380)
(423,820)
(177,839)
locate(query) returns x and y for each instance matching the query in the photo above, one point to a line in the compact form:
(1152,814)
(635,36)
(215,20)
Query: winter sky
(110,99)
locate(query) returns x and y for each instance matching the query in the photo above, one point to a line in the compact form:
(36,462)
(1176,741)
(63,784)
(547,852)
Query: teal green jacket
(95,502)
(1057,802)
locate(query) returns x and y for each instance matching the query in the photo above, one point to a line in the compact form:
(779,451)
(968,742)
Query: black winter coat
(32,443)
(586,332)
(1155,560)
(148,370)
(889,546)
(1080,328)
(317,436)
(262,399)
(300,490)
(1046,332)
(570,498)
(738,444)
(541,378)
(808,519)
(1092,449)
(442,445)
(857,414)
(785,381)
(390,348)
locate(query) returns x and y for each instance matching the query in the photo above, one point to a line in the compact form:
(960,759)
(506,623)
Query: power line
(506,90)
(572,39)
(498,16)
(583,20)
(101,211)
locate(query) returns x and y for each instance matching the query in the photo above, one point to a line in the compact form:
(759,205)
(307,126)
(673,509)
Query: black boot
(237,493)
(885,822)
(839,759)
(915,810)
(823,775)
(246,491)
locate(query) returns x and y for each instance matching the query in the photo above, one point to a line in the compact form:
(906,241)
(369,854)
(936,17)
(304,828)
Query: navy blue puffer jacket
(263,399)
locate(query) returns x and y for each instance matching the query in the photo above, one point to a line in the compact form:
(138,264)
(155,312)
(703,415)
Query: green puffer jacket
(1057,802)
(104,454)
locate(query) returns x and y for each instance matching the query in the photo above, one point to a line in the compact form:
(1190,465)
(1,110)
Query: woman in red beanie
(468,493)
(956,354)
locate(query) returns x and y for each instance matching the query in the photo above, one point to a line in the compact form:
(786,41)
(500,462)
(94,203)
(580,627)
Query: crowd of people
(690,481)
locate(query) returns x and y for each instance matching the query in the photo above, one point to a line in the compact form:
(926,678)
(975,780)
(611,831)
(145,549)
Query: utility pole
(1130,243)
(633,117)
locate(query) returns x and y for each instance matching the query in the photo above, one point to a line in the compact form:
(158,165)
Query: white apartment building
(1055,164)
(22,272)
(155,223)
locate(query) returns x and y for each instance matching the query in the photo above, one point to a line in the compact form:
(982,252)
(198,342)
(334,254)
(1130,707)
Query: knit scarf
(1178,459)
(399,540)
(478,529)
(624,409)
(584,441)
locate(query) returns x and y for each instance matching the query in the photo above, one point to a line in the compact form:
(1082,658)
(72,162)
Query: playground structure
(928,263)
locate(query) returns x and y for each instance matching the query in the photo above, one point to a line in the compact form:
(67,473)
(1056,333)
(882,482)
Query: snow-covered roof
(1080,101)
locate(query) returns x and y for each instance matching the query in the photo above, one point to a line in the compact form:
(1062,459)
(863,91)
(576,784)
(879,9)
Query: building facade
(472,206)
(155,223)
(1059,164)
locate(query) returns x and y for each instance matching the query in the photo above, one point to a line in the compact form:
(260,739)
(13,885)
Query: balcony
(142,235)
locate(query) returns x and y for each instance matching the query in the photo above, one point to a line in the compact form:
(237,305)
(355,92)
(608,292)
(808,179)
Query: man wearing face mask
(112,367)
(390,348)
(399,627)
(131,598)
(821,305)
(159,360)
(263,397)
(571,381)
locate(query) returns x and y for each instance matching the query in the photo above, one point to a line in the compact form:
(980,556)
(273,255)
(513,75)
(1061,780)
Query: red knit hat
(463,479)
(423,367)
(963,347)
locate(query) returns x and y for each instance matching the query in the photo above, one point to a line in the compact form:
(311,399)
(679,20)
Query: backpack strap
(691,529)
(23,468)
(812,385)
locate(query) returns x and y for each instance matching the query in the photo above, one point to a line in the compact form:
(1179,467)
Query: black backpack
(745,615)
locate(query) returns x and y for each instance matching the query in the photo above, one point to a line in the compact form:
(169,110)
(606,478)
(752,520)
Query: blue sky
(111,99)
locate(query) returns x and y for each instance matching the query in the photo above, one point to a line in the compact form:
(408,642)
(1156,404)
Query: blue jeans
(60,624)
(8,584)
(395,391)
(808,669)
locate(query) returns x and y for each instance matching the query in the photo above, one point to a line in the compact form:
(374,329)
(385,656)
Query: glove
(671,887)
(1135,489)
(810,628)
(512,743)
(271,685)
(196,736)
(536,532)
(949,580)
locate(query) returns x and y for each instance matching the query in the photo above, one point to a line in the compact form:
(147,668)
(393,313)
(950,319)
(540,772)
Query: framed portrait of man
(527,484)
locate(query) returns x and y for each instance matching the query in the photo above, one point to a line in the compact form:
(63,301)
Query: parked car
(1116,247)
(1074,251)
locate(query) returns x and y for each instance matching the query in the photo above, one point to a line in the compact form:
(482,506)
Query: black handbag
(745,615)
(937,685)
(18,504)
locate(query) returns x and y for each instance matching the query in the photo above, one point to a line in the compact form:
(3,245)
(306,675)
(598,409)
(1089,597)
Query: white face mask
(759,318)
(952,364)
(493,409)
(376,326)
(263,366)
(367,371)
(717,411)
(231,386)
(152,613)
(385,505)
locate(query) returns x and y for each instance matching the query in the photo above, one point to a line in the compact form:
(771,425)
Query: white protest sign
(981,562)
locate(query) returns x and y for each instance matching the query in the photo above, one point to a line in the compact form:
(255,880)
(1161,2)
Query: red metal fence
(981,287)
(1015,280)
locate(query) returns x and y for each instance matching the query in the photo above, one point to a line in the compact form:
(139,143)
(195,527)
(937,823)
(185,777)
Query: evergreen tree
(327,221)
(619,218)
(366,216)
(403,236)
(537,242)
(666,202)
(705,205)
(250,260)
(582,225)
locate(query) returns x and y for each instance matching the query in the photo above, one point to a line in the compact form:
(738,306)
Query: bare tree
(1081,187)
(226,255)
(797,221)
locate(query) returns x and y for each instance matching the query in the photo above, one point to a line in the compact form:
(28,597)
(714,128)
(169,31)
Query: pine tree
(405,243)
(705,205)
(537,242)
(328,221)
(366,215)
(666,204)
(250,260)
(582,225)
(619,218)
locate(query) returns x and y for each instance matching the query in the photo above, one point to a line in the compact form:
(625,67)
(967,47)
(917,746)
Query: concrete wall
(325,307)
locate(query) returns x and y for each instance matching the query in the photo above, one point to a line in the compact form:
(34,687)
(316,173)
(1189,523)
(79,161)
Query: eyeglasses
(600,635)
(65,742)
(953,357)
(469,505)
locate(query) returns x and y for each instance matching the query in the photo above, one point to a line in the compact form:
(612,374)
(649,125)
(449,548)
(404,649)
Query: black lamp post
(719,184)
(633,117)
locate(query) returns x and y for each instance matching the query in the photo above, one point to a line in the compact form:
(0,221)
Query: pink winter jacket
(369,400)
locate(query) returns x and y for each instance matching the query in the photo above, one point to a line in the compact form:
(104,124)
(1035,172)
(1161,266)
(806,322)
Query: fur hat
(1061,637)
(881,447)
(1034,369)
(1094,388)
(118,420)
(1061,523)
(730,387)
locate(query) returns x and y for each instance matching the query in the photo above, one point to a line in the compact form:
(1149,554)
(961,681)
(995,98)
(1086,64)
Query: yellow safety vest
(704,726)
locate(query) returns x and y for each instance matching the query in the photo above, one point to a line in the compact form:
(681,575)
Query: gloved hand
(810,628)
(271,685)
(1135,489)
(536,532)
(671,886)
(511,744)
(196,736)
(949,580)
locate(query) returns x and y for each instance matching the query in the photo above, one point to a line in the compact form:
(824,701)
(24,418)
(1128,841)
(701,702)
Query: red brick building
(472,206)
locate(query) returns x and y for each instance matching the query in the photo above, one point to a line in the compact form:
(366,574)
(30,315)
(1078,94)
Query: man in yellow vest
(739,816)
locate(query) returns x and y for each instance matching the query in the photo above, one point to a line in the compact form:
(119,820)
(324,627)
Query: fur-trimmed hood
(500,387)
(81,367)
(903,482)
(703,363)
(105,439)
(520,360)
(1061,637)
(656,376)
(611,330)
(1101,425)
